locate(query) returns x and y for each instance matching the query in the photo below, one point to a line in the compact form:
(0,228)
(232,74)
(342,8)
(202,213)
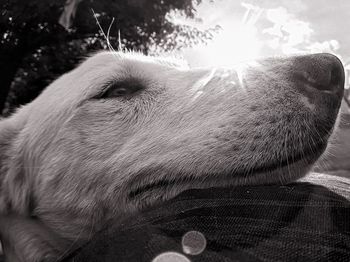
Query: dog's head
(124,126)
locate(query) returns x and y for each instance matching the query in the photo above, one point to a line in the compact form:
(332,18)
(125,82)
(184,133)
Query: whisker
(109,45)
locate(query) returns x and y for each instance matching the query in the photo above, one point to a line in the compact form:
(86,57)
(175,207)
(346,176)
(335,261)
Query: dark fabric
(305,221)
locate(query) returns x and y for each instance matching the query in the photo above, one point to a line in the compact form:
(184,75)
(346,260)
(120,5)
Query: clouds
(291,35)
(267,27)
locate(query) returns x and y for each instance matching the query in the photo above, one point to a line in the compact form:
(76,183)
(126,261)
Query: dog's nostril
(336,77)
(326,73)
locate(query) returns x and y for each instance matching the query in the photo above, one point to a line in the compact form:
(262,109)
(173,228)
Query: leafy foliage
(35,49)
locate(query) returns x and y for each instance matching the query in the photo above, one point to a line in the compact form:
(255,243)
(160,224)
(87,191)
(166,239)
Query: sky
(258,28)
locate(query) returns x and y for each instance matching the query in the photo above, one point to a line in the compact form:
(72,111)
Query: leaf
(68,14)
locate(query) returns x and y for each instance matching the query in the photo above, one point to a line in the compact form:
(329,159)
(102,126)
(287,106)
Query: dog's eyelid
(121,88)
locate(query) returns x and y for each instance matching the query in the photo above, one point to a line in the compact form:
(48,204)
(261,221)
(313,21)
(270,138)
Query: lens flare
(193,243)
(171,257)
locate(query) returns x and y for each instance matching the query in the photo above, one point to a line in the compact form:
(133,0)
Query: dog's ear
(26,239)
(23,238)
(8,132)
(11,170)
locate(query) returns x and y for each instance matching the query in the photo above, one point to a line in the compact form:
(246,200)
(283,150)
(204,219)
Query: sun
(236,42)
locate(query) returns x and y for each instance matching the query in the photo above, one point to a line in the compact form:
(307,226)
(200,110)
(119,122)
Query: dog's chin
(279,176)
(164,189)
(281,171)
(270,171)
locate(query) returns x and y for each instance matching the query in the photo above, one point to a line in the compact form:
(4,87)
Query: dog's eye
(121,89)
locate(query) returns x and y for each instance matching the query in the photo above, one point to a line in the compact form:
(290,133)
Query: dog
(123,131)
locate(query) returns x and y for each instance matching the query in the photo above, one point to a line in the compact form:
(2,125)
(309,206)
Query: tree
(35,49)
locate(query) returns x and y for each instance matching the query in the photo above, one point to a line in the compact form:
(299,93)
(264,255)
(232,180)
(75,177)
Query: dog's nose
(322,72)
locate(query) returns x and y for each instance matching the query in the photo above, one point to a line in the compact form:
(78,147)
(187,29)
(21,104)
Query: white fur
(76,162)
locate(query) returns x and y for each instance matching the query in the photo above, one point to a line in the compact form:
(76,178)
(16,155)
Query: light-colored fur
(74,161)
